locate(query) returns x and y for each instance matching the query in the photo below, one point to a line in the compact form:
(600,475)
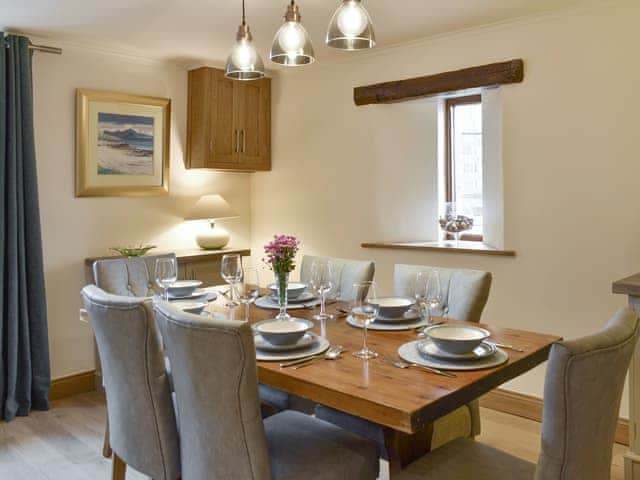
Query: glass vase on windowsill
(455,219)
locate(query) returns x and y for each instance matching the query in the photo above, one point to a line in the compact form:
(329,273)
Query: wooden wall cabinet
(229,122)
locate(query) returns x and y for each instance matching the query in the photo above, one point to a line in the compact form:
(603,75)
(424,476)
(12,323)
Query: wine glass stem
(246,311)
(365,348)
(322,302)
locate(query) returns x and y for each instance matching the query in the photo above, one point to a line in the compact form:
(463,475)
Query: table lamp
(211,208)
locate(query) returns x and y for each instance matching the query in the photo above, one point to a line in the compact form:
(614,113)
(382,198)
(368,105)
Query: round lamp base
(213,238)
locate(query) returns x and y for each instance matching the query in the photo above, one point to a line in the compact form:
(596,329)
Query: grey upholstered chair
(464,295)
(222,433)
(143,431)
(582,393)
(347,272)
(128,277)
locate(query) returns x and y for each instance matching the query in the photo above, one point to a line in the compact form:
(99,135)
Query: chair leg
(106,446)
(119,468)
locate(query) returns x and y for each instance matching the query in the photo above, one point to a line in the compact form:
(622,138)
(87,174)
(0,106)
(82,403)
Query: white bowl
(393,307)
(183,288)
(190,306)
(456,339)
(294,289)
(283,332)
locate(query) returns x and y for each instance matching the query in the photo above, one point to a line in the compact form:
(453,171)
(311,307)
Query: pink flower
(280,253)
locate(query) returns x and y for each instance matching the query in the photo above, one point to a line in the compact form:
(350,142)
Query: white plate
(266,302)
(303,297)
(409,353)
(409,316)
(389,326)
(261,344)
(181,287)
(190,306)
(485,349)
(199,293)
(320,347)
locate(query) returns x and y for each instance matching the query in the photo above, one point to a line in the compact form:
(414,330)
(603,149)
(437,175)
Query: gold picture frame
(122,144)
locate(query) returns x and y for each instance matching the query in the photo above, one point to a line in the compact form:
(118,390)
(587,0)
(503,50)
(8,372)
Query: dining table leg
(403,448)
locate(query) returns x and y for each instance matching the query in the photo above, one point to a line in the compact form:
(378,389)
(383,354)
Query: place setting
(454,347)
(187,295)
(402,313)
(283,340)
(394,314)
(298,296)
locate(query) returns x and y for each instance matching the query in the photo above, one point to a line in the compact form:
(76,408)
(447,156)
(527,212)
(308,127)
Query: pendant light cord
(243,14)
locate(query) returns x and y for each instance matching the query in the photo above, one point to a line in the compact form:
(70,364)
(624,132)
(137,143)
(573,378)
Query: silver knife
(508,347)
(300,360)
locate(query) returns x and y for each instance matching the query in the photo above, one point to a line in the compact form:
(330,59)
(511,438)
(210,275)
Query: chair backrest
(347,273)
(215,379)
(142,423)
(582,393)
(128,277)
(464,292)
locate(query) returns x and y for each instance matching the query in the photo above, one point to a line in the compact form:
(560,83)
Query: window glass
(466,160)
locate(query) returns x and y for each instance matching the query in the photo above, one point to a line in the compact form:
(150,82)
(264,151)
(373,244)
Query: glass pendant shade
(244,62)
(292,45)
(351,27)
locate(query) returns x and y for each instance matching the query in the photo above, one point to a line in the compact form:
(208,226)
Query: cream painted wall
(344,174)
(75,228)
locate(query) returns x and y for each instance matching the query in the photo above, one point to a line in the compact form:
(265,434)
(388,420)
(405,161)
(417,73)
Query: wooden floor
(65,443)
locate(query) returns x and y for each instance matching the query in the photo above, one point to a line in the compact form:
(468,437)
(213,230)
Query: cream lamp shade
(211,208)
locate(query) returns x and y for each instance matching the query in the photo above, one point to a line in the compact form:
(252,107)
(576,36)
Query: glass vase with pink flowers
(280,254)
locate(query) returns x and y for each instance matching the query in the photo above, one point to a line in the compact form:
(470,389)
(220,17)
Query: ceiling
(203,30)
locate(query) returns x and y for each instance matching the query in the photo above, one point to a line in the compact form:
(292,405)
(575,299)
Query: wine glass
(433,293)
(166,274)
(231,271)
(321,280)
(248,289)
(364,310)
(420,291)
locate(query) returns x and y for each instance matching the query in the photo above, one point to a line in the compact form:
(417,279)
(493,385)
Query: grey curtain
(24,347)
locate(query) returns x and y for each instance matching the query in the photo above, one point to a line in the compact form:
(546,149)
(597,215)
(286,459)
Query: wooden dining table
(404,402)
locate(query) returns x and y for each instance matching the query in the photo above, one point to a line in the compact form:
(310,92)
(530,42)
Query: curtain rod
(45,48)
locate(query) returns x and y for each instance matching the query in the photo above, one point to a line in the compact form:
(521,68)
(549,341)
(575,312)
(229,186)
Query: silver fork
(402,364)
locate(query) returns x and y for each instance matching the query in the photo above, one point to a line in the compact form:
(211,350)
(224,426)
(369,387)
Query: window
(463,160)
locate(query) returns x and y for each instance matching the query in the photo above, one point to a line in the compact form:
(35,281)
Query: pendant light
(292,45)
(351,27)
(244,62)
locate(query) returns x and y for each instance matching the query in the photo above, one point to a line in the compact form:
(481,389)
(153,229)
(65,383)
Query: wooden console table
(192,264)
(630,286)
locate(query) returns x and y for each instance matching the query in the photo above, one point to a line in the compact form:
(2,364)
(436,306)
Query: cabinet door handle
(237,141)
(244,141)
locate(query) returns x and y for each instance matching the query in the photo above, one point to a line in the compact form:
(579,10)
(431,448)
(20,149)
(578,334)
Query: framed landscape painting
(122,144)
